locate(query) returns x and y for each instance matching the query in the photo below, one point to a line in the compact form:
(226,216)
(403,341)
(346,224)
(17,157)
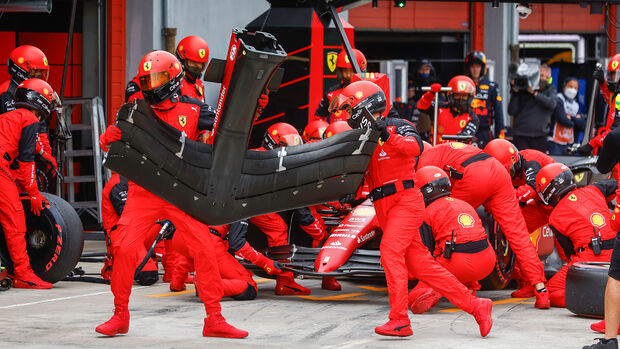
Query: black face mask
(461,105)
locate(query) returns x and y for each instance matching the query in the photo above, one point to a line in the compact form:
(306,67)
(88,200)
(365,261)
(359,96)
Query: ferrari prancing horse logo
(202,53)
(147,66)
(182,120)
(332,57)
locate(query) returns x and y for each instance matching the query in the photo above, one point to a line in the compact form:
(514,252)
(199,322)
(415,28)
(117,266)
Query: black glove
(585,150)
(599,75)
(381,126)
(347,199)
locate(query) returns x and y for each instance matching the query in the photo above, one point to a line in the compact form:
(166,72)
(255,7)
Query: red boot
(330,283)
(483,308)
(118,324)
(543,300)
(399,328)
(524,291)
(216,326)
(286,286)
(28,279)
(425,301)
(599,327)
(177,283)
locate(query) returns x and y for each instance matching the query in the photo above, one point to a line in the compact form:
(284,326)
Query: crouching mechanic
(274,224)
(34,100)
(579,220)
(400,210)
(523,166)
(160,75)
(454,234)
(479,179)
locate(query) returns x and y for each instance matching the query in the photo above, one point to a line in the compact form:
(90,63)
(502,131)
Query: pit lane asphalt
(66,316)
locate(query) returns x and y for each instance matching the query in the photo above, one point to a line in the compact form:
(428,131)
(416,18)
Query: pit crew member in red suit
(193,52)
(580,221)
(479,179)
(160,76)
(400,210)
(454,233)
(457,118)
(35,100)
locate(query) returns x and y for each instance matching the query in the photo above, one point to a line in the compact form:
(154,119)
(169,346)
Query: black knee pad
(247,295)
(147,278)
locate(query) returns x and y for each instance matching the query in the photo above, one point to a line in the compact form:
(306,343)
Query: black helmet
(476,57)
(433,182)
(553,182)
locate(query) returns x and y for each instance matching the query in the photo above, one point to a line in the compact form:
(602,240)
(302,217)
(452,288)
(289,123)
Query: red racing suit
(535,213)
(472,258)
(484,181)
(18,135)
(400,211)
(580,216)
(449,123)
(132,91)
(143,209)
(194,89)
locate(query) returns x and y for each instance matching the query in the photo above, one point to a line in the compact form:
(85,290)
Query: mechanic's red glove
(248,252)
(435,88)
(597,141)
(37,202)
(263,100)
(51,160)
(111,134)
(525,193)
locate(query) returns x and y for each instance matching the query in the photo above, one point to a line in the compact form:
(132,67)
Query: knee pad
(147,278)
(247,295)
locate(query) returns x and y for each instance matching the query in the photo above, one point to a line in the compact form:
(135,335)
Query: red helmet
(553,182)
(160,76)
(505,152)
(38,95)
(358,95)
(613,72)
(27,62)
(281,135)
(461,84)
(314,131)
(193,48)
(343,60)
(335,128)
(476,57)
(433,182)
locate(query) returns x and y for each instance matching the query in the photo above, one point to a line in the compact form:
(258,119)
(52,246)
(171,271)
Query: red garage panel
(7,44)
(116,57)
(562,18)
(418,15)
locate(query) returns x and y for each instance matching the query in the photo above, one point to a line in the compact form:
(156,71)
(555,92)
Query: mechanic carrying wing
(27,62)
(479,179)
(456,238)
(400,210)
(274,224)
(34,99)
(523,166)
(457,118)
(580,221)
(160,76)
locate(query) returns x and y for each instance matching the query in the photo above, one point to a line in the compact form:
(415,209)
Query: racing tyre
(585,288)
(502,273)
(54,240)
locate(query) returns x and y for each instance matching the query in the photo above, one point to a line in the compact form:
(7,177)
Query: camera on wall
(524,75)
(523,10)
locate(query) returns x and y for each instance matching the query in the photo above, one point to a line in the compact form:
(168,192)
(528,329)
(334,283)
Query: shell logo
(20,60)
(202,53)
(180,48)
(457,145)
(511,150)
(329,134)
(466,220)
(462,123)
(274,132)
(614,65)
(543,180)
(46,91)
(176,65)
(147,66)
(572,197)
(359,94)
(597,220)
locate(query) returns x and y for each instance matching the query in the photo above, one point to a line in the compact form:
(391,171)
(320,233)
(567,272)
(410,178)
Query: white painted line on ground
(63,298)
